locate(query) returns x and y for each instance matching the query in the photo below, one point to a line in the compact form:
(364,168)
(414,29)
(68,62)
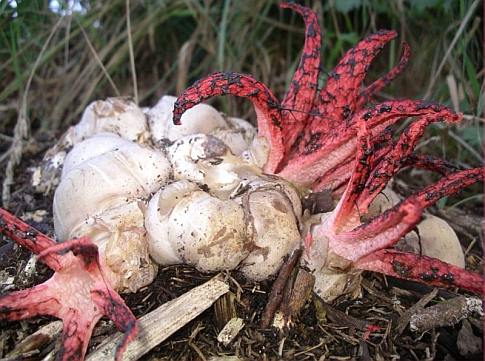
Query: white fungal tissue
(151,193)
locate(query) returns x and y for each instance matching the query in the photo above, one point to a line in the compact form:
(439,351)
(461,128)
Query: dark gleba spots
(368,115)
(400,268)
(313,143)
(385,108)
(346,112)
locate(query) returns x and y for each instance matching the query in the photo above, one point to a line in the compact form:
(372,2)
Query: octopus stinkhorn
(214,194)
(79,293)
(340,245)
(312,138)
(311,133)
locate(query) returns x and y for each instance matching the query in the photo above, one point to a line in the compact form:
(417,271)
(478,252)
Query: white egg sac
(99,196)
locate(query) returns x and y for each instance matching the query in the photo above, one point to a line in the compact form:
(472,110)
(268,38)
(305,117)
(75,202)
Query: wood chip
(406,317)
(446,313)
(158,325)
(301,292)
(225,309)
(230,331)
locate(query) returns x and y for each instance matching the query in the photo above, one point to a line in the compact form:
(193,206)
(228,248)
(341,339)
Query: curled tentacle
(267,107)
(420,268)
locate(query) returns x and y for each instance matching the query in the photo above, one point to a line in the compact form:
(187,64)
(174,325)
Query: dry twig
(279,284)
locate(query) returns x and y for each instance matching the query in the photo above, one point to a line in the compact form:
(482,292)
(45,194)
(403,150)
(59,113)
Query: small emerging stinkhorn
(79,292)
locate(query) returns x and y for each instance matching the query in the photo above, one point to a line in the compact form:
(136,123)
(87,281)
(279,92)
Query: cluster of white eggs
(149,192)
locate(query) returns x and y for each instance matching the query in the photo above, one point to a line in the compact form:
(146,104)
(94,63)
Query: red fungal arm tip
(380,83)
(422,269)
(268,109)
(28,237)
(339,97)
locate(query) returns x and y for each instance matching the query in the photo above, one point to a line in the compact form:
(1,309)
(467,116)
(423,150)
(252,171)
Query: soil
(321,332)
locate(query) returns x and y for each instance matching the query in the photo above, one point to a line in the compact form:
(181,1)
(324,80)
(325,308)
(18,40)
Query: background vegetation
(57,56)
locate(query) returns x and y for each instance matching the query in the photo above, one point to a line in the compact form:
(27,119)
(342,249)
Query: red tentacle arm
(430,162)
(376,162)
(381,232)
(298,101)
(395,154)
(77,328)
(28,237)
(79,292)
(422,269)
(388,228)
(379,84)
(267,107)
(347,212)
(18,305)
(449,185)
(114,307)
(340,96)
(326,147)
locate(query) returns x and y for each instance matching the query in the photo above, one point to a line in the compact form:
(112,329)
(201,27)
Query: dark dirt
(318,334)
